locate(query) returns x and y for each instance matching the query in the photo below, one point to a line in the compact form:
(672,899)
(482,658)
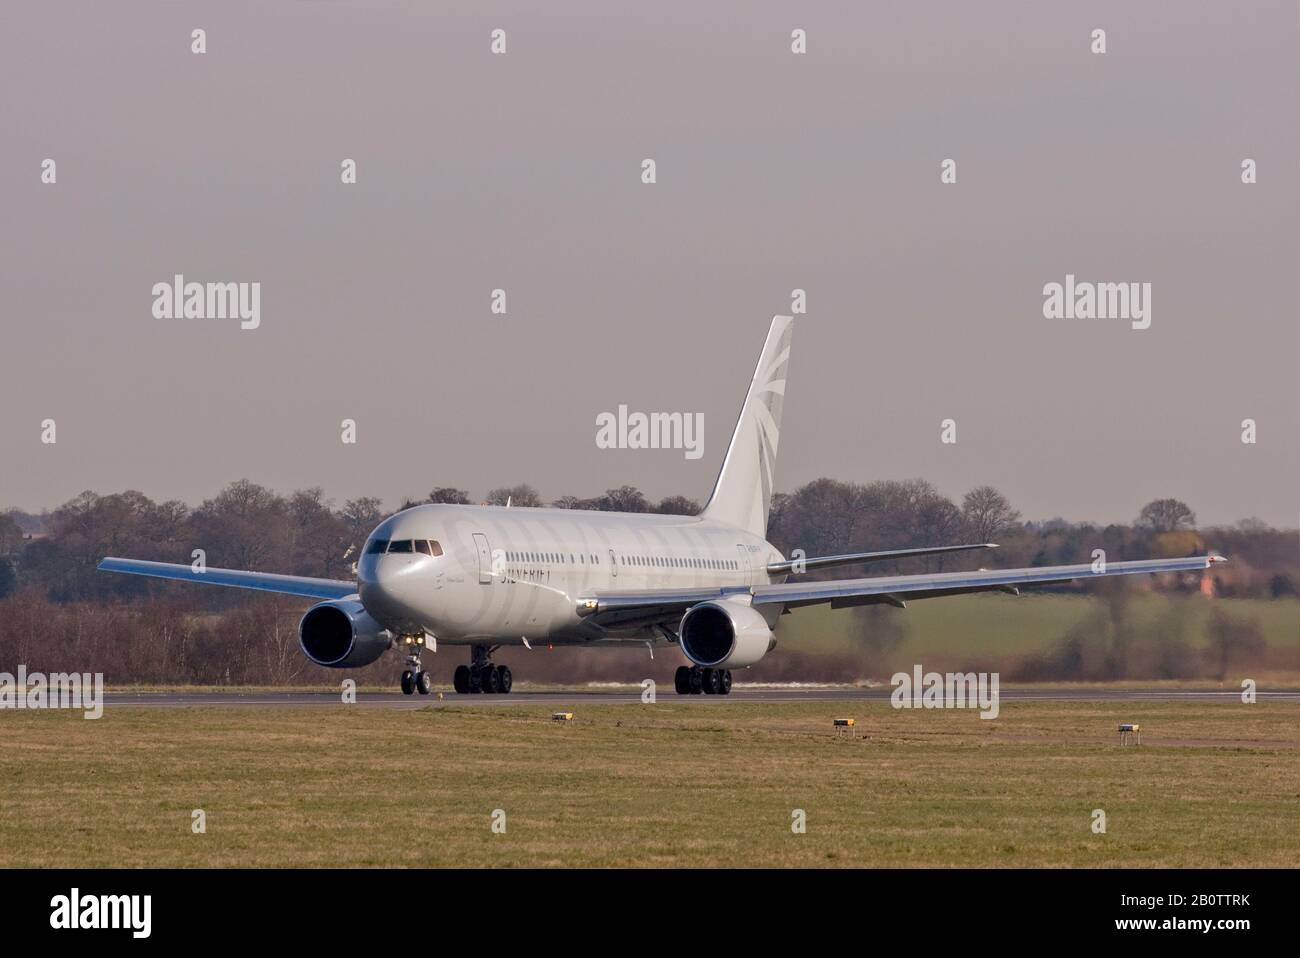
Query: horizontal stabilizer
(825,562)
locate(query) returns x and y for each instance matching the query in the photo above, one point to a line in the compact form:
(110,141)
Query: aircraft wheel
(505,679)
(475,681)
(696,680)
(489,680)
(460,679)
(408,682)
(709,681)
(724,681)
(422,683)
(682,680)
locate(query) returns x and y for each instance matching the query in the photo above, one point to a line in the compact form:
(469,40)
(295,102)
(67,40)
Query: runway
(631,695)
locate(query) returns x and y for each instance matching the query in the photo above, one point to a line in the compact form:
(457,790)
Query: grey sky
(775,172)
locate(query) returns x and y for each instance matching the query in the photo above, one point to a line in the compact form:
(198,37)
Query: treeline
(57,613)
(829,517)
(247,526)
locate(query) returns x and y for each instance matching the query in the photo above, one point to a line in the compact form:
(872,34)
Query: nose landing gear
(414,679)
(692,680)
(481,676)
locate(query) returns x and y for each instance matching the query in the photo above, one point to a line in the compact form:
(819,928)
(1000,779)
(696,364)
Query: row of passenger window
(427,547)
(553,558)
(430,547)
(656,562)
(679,562)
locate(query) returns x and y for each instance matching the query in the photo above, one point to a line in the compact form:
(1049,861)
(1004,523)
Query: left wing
(262,581)
(893,590)
(650,606)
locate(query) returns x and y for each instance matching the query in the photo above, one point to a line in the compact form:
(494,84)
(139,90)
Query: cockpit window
(377,547)
(401,545)
(434,548)
(422,545)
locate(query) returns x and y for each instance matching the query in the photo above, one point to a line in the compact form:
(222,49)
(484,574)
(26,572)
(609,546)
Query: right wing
(263,581)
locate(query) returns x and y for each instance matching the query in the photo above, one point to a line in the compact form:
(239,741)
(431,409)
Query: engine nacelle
(341,635)
(724,635)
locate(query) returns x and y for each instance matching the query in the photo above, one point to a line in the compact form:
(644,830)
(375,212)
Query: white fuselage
(510,574)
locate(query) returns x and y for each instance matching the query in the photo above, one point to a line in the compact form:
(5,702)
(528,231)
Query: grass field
(1214,784)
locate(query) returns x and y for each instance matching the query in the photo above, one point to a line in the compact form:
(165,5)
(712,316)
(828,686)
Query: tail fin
(743,493)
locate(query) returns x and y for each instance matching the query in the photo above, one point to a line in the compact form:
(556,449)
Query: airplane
(493,577)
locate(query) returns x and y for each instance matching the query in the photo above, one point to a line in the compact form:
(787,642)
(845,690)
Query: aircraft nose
(389,589)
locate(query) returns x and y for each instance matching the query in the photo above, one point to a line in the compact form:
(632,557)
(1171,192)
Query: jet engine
(725,635)
(342,635)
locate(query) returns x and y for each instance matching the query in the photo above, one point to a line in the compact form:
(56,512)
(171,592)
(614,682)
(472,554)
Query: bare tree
(450,495)
(623,499)
(522,495)
(1167,515)
(986,514)
(320,536)
(245,526)
(360,516)
(573,502)
(678,506)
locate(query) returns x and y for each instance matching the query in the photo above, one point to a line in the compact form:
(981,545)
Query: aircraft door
(484,559)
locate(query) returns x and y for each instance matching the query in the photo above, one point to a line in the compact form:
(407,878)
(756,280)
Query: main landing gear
(481,676)
(414,679)
(692,680)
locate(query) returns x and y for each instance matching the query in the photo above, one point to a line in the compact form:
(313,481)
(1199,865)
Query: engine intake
(725,635)
(342,635)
